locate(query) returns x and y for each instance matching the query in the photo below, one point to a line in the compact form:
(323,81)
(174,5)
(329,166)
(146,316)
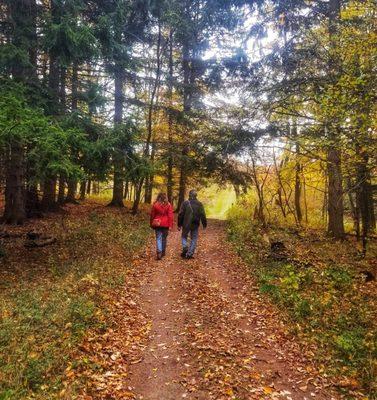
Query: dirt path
(199,330)
(212,336)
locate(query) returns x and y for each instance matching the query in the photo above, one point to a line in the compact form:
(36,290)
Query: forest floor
(199,329)
(95,316)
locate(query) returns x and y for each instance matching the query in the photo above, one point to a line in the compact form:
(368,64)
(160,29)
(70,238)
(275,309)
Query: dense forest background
(134,96)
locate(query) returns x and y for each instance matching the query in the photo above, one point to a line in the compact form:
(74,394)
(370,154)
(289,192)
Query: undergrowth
(50,297)
(321,291)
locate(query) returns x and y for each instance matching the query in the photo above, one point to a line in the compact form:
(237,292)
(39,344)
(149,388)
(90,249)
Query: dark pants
(161,239)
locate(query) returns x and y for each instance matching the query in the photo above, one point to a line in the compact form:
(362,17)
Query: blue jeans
(161,239)
(194,234)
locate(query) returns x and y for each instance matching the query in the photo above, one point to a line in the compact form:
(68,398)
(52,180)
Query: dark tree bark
(364,195)
(23,14)
(88,186)
(82,190)
(71,193)
(182,177)
(170,122)
(118,159)
(48,202)
(72,181)
(335,194)
(188,81)
(354,204)
(61,191)
(126,189)
(14,211)
(334,171)
(298,172)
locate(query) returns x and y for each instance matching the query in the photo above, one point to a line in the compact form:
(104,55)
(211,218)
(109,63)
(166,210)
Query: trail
(211,335)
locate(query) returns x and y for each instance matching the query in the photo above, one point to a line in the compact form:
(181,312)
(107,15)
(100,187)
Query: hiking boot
(184,252)
(163,254)
(189,256)
(159,255)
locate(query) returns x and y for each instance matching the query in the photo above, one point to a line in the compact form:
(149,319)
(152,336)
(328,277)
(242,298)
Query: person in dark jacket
(190,216)
(161,220)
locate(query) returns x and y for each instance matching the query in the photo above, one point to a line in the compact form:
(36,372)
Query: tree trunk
(118,159)
(72,182)
(364,195)
(354,206)
(23,15)
(71,193)
(74,82)
(49,194)
(372,215)
(138,189)
(82,190)
(298,171)
(335,194)
(126,189)
(334,171)
(14,211)
(149,180)
(170,122)
(182,178)
(61,192)
(88,186)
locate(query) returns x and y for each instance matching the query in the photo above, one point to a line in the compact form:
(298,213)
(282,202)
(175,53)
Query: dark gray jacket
(191,215)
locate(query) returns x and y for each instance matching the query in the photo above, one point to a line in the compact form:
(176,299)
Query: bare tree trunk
(82,190)
(354,207)
(14,212)
(71,193)
(298,171)
(72,181)
(137,198)
(48,202)
(61,191)
(118,158)
(149,143)
(170,122)
(23,15)
(335,181)
(126,189)
(335,194)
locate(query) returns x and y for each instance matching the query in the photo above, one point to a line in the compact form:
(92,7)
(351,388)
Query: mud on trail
(199,329)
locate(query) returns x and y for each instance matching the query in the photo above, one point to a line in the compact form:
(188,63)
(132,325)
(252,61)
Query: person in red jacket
(161,222)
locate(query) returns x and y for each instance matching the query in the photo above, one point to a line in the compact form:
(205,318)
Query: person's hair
(162,198)
(193,194)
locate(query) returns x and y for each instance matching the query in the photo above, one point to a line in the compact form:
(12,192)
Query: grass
(51,297)
(321,291)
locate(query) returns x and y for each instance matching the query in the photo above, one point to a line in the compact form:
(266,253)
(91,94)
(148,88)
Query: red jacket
(163,212)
